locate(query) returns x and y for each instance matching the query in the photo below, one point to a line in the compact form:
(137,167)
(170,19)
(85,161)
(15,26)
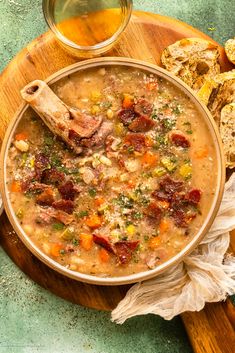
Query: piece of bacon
(179,140)
(124,250)
(154,212)
(182,218)
(194,196)
(126,116)
(46,198)
(67,190)
(136,140)
(52,176)
(143,107)
(104,242)
(161,195)
(141,124)
(64,205)
(41,163)
(170,185)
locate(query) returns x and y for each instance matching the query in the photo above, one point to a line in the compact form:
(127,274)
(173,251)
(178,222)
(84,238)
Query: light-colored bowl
(211,213)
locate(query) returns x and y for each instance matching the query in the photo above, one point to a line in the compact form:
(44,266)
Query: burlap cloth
(206,275)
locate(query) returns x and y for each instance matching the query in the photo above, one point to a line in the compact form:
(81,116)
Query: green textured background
(32,320)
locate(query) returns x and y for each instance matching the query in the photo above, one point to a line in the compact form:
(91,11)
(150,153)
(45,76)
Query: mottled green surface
(32,319)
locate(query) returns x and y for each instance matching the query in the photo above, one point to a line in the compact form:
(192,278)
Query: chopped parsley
(58,226)
(81,214)
(125,201)
(92,192)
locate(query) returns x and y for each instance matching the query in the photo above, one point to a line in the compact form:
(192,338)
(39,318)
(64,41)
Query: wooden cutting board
(211,330)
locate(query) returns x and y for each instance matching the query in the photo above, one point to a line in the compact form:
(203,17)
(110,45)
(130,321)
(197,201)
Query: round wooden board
(145,38)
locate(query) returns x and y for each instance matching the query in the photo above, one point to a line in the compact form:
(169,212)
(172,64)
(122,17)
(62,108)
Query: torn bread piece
(194,60)
(218,92)
(68,123)
(227,132)
(229,48)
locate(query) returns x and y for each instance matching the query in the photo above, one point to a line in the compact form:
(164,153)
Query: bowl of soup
(115,175)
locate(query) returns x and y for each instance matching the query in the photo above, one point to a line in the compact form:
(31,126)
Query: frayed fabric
(206,275)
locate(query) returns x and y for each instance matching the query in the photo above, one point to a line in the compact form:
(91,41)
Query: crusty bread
(230,50)
(194,60)
(218,92)
(227,131)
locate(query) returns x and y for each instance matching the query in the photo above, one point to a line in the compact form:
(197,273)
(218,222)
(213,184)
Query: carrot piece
(55,249)
(104,255)
(150,86)
(15,186)
(163,204)
(131,184)
(154,242)
(149,159)
(128,101)
(202,152)
(99,201)
(164,225)
(21,136)
(86,241)
(93,221)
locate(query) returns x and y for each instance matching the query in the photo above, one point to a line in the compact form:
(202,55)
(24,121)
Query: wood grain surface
(212,329)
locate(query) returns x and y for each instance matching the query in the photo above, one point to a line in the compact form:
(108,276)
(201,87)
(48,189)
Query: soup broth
(127,204)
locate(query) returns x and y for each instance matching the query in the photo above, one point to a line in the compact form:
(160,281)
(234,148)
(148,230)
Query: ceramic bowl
(220,175)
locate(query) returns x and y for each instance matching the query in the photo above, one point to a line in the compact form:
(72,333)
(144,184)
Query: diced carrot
(86,241)
(128,101)
(149,159)
(150,86)
(99,201)
(55,249)
(154,242)
(93,221)
(164,225)
(131,184)
(15,186)
(21,136)
(202,152)
(104,255)
(163,204)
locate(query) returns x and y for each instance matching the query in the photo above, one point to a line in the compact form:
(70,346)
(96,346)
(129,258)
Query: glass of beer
(87,27)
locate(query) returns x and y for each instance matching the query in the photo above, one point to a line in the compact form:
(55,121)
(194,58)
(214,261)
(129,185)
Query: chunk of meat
(141,124)
(136,140)
(46,198)
(154,212)
(60,216)
(64,205)
(194,196)
(41,163)
(179,140)
(52,176)
(34,186)
(170,185)
(104,242)
(126,116)
(68,123)
(143,107)
(67,190)
(161,195)
(124,250)
(182,218)
(98,139)
(84,125)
